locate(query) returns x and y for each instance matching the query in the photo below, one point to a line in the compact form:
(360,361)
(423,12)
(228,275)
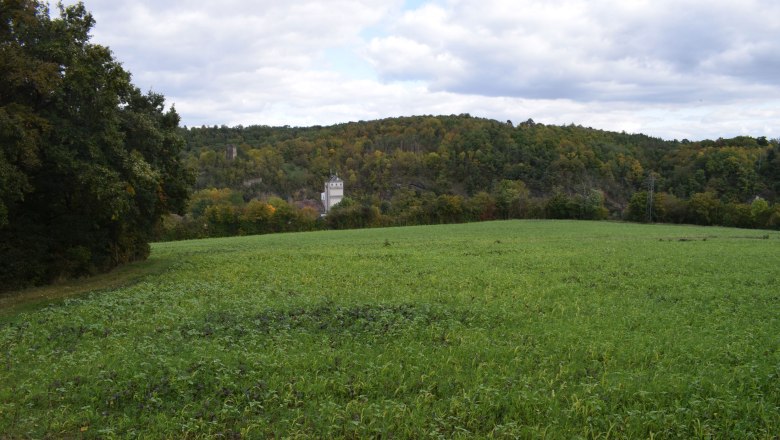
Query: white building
(334,192)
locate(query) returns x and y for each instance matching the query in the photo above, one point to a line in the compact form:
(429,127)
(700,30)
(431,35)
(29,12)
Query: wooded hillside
(434,169)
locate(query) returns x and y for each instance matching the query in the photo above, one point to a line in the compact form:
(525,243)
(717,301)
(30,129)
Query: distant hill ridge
(464,155)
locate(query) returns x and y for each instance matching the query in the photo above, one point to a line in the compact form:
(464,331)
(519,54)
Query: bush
(705,209)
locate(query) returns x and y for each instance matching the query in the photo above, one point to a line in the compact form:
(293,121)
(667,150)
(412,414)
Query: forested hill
(444,154)
(464,155)
(386,163)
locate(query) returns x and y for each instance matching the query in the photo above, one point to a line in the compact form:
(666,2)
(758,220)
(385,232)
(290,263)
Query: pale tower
(334,192)
(231,152)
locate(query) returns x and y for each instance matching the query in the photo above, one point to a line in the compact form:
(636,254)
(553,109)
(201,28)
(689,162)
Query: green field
(529,329)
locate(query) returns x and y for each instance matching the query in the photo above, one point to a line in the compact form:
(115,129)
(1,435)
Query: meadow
(516,329)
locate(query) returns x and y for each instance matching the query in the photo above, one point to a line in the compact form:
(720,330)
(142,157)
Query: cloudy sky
(669,68)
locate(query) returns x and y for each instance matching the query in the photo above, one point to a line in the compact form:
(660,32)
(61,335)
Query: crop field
(517,329)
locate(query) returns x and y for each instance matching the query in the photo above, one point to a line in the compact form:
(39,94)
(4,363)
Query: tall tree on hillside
(88,163)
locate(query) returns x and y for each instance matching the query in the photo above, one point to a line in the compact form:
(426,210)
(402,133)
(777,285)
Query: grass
(11,303)
(529,329)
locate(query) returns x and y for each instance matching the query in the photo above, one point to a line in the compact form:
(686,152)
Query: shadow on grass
(14,302)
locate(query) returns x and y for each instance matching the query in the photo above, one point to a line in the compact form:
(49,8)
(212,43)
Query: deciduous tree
(89,164)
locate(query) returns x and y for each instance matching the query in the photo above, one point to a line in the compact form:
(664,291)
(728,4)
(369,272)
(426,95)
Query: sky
(674,69)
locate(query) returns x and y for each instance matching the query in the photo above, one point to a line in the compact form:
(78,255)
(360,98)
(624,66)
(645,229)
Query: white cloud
(662,51)
(686,68)
(400,58)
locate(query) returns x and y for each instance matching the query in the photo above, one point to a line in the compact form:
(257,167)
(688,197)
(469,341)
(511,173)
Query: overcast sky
(669,68)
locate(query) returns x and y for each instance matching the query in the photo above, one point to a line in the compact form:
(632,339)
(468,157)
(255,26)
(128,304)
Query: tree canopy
(443,169)
(88,163)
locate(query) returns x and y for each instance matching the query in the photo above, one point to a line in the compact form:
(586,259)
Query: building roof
(334,178)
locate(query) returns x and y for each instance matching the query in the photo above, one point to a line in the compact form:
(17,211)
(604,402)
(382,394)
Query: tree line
(457,168)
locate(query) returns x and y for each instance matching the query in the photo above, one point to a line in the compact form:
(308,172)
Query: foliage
(639,209)
(417,170)
(89,164)
(349,214)
(505,329)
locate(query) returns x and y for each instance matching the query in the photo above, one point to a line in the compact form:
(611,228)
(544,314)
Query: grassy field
(520,329)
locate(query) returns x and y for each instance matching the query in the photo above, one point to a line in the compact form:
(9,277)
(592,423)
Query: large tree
(88,163)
